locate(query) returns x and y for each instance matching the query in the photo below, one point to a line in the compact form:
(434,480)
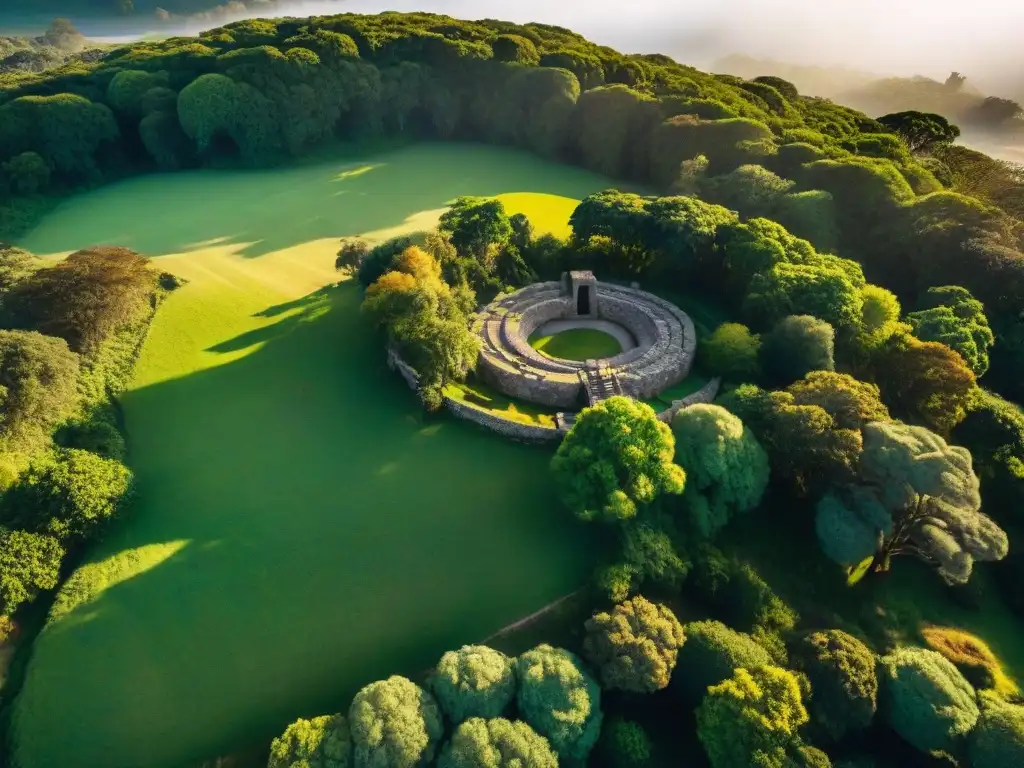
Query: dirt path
(533,616)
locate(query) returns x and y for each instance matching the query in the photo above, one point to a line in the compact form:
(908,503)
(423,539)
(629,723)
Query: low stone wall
(533,433)
(553,390)
(705,394)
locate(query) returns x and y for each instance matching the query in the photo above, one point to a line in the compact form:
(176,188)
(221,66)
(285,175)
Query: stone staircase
(599,382)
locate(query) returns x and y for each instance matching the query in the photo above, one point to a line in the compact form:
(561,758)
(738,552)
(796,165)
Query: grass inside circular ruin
(577,344)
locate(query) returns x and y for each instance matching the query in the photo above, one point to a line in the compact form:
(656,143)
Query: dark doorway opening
(583,300)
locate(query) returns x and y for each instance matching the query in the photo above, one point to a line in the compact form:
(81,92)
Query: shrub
(971,656)
(29,563)
(617,580)
(634,646)
(726,466)
(625,744)
(796,346)
(710,654)
(751,718)
(395,723)
(474,681)
(515,49)
(380,258)
(731,352)
(69,494)
(851,403)
(928,701)
(650,553)
(998,739)
(38,375)
(497,743)
(28,173)
(844,684)
(560,700)
(85,298)
(320,742)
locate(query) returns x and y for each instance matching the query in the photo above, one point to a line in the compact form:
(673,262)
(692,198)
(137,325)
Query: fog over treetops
(887,37)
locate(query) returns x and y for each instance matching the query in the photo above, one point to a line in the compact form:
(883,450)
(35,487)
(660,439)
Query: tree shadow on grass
(330,536)
(256,212)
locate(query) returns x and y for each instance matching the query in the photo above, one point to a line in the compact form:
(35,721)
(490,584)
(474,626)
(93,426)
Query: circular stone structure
(664,336)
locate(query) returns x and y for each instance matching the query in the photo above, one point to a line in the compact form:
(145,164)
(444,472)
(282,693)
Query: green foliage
(37,388)
(927,701)
(320,742)
(612,122)
(516,50)
(851,403)
(719,140)
(29,563)
(128,89)
(920,496)
(952,316)
(394,723)
(751,718)
(651,555)
(625,744)
(476,224)
(616,458)
(380,258)
(844,684)
(497,743)
(474,681)
(165,141)
(69,494)
(634,647)
(560,700)
(673,233)
(924,381)
(66,130)
(998,738)
(796,346)
(85,298)
(880,315)
(727,469)
(786,289)
(617,580)
(993,431)
(15,266)
(710,654)
(731,352)
(805,446)
(969,654)
(27,173)
(921,131)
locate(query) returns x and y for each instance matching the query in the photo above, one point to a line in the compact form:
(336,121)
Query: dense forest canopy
(878,269)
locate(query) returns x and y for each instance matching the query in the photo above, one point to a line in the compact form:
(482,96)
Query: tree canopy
(726,468)
(320,742)
(394,722)
(497,743)
(560,700)
(616,458)
(634,646)
(474,681)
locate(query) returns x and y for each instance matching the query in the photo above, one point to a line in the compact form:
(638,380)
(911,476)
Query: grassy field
(301,528)
(577,344)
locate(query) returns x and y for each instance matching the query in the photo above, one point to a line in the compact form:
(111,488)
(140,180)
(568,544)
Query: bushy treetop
(497,743)
(474,681)
(394,723)
(560,700)
(928,702)
(844,684)
(952,316)
(751,717)
(710,654)
(617,457)
(727,469)
(635,645)
(852,403)
(320,742)
(998,738)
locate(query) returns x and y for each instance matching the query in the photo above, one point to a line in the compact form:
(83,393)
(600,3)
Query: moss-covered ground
(301,528)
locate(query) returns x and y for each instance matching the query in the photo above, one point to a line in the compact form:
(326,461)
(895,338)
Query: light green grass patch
(301,527)
(480,395)
(577,344)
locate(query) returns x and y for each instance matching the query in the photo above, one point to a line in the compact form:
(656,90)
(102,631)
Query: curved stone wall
(666,342)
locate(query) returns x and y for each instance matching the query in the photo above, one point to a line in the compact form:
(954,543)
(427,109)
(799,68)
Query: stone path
(616,331)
